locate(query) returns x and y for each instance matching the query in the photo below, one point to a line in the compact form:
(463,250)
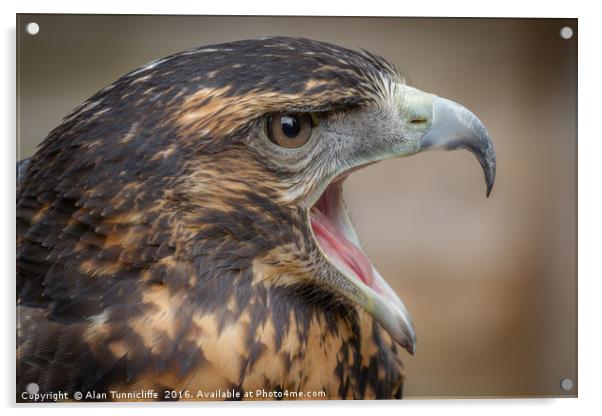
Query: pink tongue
(339,248)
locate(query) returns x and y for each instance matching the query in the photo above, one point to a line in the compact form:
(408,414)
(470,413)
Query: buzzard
(183,232)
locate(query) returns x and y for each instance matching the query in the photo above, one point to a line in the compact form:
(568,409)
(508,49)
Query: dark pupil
(290,126)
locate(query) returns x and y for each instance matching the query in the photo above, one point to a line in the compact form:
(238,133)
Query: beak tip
(408,342)
(410,346)
(489,177)
(404,337)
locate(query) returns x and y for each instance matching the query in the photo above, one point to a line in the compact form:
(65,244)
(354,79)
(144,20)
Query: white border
(590,189)
(459,8)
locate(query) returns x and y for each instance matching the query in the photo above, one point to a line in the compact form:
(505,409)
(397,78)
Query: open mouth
(338,242)
(336,237)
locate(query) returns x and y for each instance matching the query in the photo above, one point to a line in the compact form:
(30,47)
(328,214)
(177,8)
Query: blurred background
(490,282)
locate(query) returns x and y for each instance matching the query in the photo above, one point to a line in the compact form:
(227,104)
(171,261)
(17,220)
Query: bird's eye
(289,129)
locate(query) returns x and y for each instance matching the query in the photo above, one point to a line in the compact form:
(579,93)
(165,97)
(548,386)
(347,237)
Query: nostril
(418,120)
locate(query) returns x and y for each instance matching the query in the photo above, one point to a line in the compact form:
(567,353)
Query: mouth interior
(336,237)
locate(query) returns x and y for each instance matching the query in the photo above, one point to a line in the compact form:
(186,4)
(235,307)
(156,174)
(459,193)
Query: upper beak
(444,124)
(450,126)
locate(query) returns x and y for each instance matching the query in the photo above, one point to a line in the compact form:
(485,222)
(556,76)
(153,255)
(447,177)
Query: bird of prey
(184,229)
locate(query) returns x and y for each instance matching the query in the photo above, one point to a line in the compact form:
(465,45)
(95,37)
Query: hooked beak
(452,127)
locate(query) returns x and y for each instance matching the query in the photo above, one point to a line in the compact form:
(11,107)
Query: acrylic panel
(184,232)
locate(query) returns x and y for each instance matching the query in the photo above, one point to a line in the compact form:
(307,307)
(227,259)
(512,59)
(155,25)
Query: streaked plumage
(162,244)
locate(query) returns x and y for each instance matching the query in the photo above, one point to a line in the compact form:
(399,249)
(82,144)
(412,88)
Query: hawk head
(216,174)
(276,125)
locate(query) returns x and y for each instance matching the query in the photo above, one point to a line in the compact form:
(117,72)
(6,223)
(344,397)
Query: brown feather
(156,250)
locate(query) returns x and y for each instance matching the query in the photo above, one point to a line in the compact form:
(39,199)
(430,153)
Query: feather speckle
(154,249)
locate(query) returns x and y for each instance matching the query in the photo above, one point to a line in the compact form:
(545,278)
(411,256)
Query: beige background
(490,283)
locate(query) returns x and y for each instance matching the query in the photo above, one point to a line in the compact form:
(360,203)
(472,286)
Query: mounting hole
(566,32)
(32,388)
(566,384)
(32,28)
